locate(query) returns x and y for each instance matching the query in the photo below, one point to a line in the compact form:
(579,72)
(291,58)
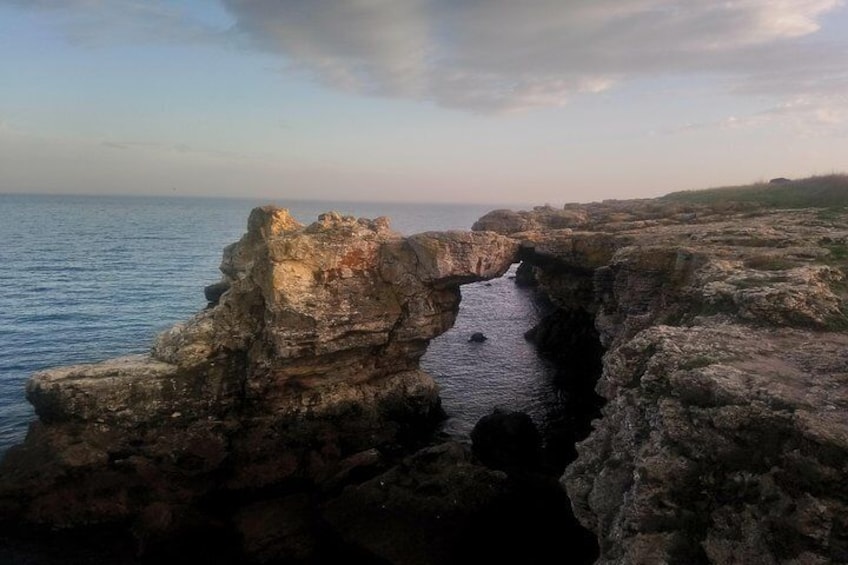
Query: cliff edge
(724,438)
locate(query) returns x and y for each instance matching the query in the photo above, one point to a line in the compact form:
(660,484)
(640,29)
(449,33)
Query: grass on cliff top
(828,191)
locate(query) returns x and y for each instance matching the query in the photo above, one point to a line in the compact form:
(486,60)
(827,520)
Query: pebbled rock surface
(724,438)
(303,368)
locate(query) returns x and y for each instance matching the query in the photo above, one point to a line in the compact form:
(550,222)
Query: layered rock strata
(306,360)
(724,438)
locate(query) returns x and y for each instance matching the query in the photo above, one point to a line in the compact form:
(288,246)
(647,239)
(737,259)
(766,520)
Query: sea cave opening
(538,359)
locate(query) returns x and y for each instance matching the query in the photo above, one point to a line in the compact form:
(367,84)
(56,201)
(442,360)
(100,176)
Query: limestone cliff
(725,434)
(724,438)
(307,360)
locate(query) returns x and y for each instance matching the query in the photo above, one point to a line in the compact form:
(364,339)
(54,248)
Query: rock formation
(724,437)
(725,434)
(304,363)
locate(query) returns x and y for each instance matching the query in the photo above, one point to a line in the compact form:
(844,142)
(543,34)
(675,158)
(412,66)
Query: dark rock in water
(525,276)
(477,337)
(213,292)
(508,441)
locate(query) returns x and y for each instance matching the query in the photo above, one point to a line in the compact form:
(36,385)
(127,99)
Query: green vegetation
(768,263)
(838,251)
(697,361)
(829,191)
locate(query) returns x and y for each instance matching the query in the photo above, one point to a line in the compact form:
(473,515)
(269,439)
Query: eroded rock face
(724,438)
(307,356)
(725,434)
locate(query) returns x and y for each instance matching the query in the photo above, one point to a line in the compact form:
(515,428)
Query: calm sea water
(86,278)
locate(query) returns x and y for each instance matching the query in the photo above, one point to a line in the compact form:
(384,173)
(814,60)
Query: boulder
(507,441)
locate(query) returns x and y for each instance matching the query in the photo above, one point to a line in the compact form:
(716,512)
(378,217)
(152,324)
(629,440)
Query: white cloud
(802,116)
(501,54)
(494,55)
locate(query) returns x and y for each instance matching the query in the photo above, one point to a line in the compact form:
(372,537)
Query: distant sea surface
(86,278)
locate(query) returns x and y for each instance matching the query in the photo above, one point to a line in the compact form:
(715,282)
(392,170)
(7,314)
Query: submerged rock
(477,337)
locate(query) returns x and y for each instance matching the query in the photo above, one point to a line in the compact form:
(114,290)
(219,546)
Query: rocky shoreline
(724,438)
(290,421)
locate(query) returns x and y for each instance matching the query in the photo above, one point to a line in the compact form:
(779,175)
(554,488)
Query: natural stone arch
(308,357)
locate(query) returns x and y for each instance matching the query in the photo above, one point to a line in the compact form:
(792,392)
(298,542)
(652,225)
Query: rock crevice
(725,430)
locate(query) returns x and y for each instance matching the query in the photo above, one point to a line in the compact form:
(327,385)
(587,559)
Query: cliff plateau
(724,438)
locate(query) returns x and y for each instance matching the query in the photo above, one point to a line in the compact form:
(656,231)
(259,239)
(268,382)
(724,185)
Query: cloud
(493,55)
(802,116)
(114,145)
(179,148)
(497,55)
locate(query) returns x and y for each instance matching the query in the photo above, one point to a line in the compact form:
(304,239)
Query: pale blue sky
(419,100)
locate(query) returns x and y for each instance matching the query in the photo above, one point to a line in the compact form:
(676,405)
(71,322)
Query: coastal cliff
(302,372)
(297,393)
(724,438)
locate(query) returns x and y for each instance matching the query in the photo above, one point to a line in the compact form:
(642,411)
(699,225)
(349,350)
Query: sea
(86,278)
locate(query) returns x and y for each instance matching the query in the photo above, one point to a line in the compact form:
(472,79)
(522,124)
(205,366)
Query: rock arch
(307,357)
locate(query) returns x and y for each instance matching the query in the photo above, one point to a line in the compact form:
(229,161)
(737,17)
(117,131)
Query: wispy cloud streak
(503,55)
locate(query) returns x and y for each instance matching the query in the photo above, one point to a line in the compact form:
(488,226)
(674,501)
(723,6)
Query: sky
(483,101)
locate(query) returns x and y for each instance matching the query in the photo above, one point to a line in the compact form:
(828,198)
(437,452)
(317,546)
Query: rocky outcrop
(724,438)
(305,362)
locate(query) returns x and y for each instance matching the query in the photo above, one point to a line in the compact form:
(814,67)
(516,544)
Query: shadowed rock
(508,441)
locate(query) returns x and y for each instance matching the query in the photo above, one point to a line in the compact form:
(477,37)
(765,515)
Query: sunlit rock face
(308,357)
(724,438)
